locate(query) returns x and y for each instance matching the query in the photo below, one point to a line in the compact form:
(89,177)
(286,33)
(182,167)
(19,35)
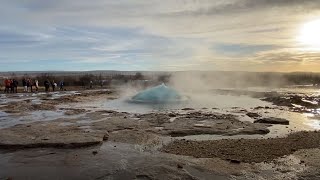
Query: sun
(310,35)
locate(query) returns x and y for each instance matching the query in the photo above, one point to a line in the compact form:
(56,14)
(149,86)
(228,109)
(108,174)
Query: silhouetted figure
(46,85)
(24,84)
(31,84)
(61,84)
(28,85)
(14,86)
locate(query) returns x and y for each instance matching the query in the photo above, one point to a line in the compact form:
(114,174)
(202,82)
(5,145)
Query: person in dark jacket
(30,84)
(14,86)
(24,84)
(61,84)
(46,85)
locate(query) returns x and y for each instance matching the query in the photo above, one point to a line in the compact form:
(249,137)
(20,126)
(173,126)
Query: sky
(154,35)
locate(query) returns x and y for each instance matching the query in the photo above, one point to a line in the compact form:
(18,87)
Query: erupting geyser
(158,94)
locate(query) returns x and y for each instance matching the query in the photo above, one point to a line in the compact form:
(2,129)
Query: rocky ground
(246,150)
(99,143)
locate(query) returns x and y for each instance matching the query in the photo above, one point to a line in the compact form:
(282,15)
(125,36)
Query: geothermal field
(161,132)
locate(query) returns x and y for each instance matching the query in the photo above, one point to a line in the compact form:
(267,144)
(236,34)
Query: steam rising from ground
(207,81)
(200,90)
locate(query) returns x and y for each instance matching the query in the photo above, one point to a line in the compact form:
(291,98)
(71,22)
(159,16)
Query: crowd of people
(30,85)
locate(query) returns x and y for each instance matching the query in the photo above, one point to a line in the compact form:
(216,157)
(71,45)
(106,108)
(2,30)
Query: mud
(25,106)
(246,150)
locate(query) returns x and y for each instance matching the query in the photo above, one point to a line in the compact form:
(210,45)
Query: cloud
(287,56)
(241,49)
(151,34)
(18,39)
(243,6)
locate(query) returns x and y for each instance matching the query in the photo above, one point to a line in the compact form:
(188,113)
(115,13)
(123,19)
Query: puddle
(314,123)
(36,101)
(298,122)
(226,104)
(3,116)
(9,120)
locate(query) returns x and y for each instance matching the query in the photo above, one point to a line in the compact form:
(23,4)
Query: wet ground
(220,134)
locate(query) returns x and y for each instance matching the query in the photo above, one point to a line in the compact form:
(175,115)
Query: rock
(179,166)
(172,115)
(187,109)
(106,137)
(50,136)
(235,161)
(253,115)
(259,107)
(94,152)
(272,120)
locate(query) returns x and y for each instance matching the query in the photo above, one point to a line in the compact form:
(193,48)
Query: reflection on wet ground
(196,102)
(23,117)
(9,120)
(111,161)
(139,155)
(227,104)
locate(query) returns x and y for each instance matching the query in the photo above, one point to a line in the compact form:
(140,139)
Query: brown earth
(245,150)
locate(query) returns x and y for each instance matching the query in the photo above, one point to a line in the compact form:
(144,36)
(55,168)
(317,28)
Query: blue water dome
(158,94)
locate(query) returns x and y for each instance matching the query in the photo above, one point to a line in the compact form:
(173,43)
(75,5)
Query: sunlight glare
(310,35)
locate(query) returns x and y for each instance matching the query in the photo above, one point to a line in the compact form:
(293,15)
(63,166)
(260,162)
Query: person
(101,83)
(31,84)
(15,85)
(46,85)
(10,86)
(53,85)
(7,84)
(28,84)
(24,84)
(91,84)
(36,85)
(61,84)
